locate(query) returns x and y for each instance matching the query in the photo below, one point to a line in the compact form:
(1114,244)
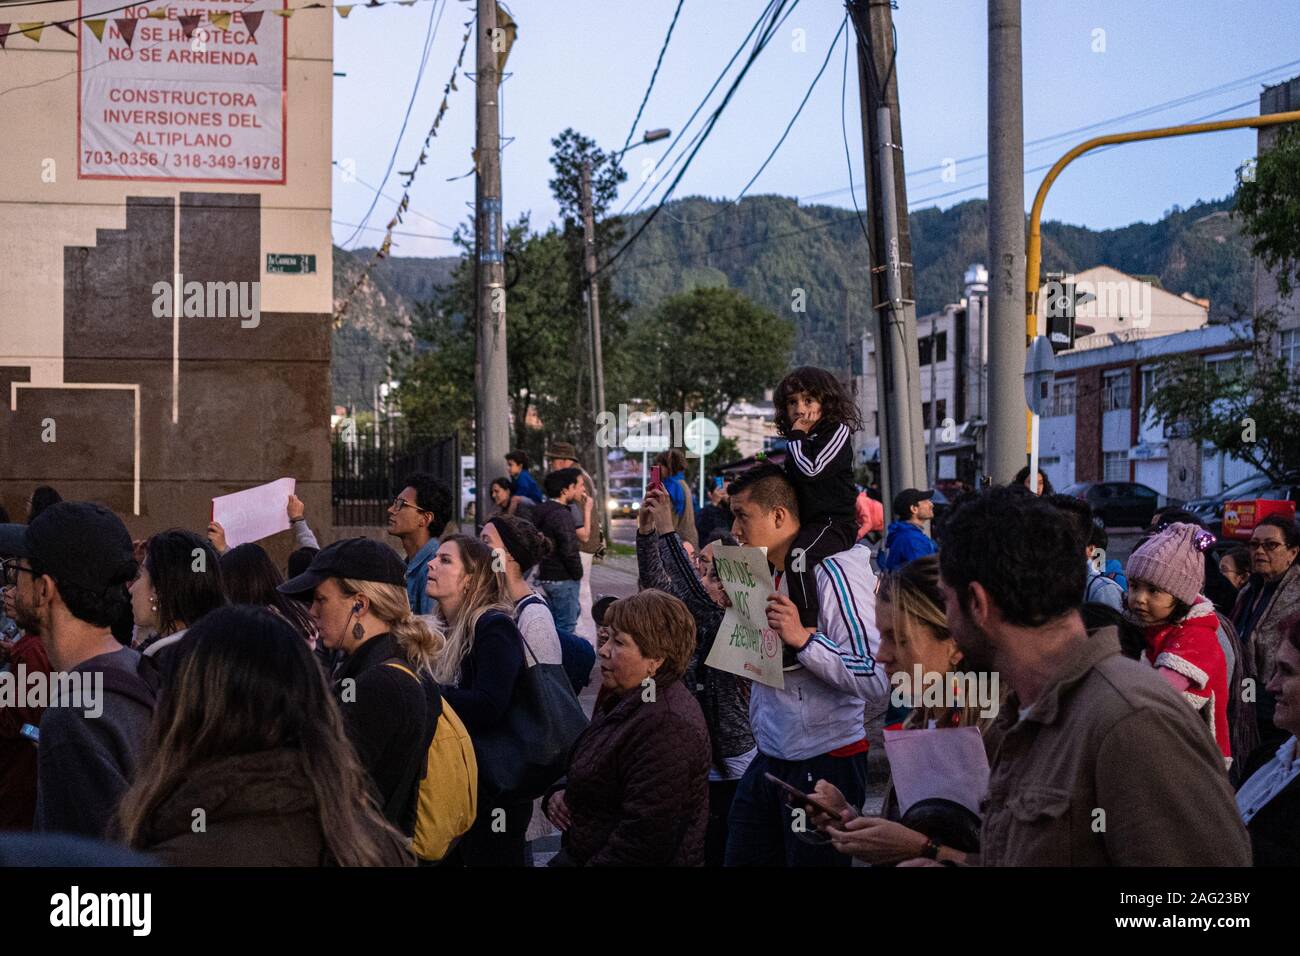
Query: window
(1114,466)
(1063,393)
(940,347)
(927,409)
(1115,391)
(1148,386)
(1291,348)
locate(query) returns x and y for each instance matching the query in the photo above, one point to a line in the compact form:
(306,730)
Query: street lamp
(593,312)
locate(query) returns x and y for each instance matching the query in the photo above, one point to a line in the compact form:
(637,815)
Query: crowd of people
(388,705)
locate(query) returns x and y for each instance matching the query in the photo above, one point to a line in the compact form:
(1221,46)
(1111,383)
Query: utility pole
(932,471)
(492,405)
(902,454)
(597,359)
(1005,442)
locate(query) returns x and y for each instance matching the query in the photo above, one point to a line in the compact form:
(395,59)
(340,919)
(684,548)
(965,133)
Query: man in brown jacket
(1101,763)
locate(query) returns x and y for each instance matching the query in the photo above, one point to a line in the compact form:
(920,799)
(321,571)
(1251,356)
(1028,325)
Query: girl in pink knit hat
(1164,597)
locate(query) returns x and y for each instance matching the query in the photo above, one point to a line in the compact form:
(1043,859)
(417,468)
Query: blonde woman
(359,605)
(477,673)
(913,634)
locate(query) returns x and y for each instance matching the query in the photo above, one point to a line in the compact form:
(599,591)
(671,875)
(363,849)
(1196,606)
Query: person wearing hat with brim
(586,519)
(357,588)
(906,539)
(71,567)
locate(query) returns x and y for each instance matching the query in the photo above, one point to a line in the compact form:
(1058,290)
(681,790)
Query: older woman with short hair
(636,793)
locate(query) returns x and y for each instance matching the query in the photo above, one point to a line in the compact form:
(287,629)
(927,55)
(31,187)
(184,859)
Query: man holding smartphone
(813,728)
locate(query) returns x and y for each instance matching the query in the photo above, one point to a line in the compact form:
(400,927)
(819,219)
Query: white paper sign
(155,104)
(745,645)
(255,513)
(946,762)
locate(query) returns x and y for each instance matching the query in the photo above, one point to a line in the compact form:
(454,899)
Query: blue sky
(586,64)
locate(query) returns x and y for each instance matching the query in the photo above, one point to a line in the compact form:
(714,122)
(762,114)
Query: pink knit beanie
(1173,561)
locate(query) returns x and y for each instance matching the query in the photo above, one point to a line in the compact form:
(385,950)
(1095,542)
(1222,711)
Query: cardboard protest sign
(254,513)
(947,762)
(745,645)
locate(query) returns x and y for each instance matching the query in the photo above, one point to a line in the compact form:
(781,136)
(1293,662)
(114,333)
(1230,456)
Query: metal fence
(370,461)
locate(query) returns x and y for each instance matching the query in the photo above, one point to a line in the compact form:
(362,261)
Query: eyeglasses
(1269,546)
(399,503)
(11,569)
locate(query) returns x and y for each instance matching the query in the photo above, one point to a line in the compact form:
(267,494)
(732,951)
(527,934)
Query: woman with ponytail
(360,606)
(517,546)
(477,673)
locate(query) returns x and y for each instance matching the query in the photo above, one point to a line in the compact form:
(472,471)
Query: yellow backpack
(448,791)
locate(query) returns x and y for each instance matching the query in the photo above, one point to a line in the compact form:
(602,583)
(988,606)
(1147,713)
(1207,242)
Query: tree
(1248,408)
(1268,203)
(704,350)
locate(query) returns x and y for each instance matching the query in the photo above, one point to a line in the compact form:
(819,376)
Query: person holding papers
(812,728)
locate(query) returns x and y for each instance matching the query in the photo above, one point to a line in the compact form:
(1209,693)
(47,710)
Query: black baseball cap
(77,543)
(362,559)
(904,500)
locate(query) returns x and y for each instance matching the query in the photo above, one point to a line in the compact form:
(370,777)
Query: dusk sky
(586,64)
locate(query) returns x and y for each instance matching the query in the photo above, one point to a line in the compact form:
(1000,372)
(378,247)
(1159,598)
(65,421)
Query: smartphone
(656,477)
(799,796)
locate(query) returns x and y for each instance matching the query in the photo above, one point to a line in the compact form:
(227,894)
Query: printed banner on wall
(199,97)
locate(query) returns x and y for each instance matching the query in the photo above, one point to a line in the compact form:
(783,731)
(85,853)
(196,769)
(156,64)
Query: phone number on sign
(97,157)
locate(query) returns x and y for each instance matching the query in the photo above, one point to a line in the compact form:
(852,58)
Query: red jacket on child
(1191,648)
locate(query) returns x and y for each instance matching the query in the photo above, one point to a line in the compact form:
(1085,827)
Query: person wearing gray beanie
(1179,624)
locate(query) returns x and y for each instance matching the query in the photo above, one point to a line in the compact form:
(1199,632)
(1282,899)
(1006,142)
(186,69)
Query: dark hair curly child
(816,385)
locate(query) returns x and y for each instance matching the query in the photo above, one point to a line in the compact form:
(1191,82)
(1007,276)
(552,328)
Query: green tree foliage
(1268,203)
(705,350)
(1247,408)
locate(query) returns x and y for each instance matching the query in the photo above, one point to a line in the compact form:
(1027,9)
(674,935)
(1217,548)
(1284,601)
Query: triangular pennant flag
(125,28)
(4,34)
(406,202)
(374,3)
(219,20)
(453,83)
(508,30)
(312,6)
(405,3)
(33,30)
(159,14)
(97,28)
(283,13)
(252,20)
(66,29)
(345,10)
(189,22)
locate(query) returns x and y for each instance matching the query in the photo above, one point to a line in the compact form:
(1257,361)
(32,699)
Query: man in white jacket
(813,728)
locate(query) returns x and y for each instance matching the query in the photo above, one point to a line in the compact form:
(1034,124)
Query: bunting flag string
(386,245)
(251,19)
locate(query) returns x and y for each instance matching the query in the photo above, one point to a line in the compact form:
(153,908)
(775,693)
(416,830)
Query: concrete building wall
(155,416)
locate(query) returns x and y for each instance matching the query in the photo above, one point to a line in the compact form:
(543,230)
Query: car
(623,502)
(1210,507)
(1121,504)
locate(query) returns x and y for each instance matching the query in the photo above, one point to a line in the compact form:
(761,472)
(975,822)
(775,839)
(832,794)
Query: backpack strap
(419,767)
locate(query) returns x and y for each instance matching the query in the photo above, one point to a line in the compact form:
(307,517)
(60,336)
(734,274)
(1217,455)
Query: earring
(358,632)
(153,603)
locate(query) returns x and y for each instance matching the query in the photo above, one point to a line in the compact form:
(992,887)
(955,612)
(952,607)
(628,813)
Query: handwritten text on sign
(209,107)
(745,645)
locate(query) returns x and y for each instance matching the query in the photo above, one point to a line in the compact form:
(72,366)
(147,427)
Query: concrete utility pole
(597,359)
(1005,442)
(902,453)
(492,405)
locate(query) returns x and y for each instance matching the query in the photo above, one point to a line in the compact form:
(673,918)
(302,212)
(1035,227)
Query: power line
(779,142)
(658,62)
(685,126)
(764,38)
(430,34)
(1033,144)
